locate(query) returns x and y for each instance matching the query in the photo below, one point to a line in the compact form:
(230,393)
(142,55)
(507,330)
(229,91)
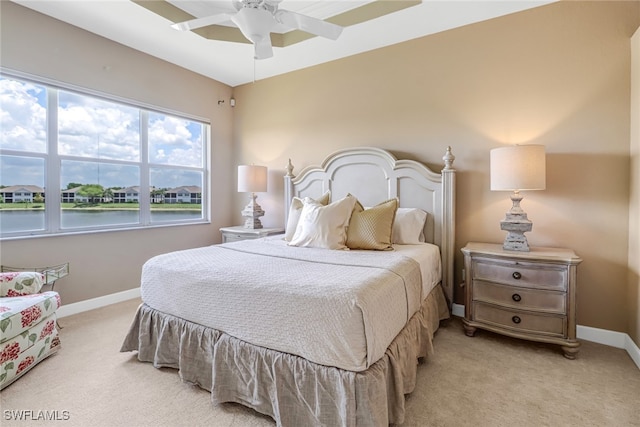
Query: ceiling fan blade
(263,48)
(201,22)
(308,24)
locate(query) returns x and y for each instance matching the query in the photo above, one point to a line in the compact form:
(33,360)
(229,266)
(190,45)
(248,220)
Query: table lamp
(517,168)
(252,179)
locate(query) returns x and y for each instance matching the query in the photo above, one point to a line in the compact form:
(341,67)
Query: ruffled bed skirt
(290,389)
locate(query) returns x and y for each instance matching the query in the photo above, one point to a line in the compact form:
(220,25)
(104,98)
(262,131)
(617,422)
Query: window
(73,161)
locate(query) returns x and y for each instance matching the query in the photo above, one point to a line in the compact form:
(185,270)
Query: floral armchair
(28,331)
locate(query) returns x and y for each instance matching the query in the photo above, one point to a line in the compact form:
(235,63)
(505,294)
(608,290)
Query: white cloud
(89,127)
(174,141)
(22,116)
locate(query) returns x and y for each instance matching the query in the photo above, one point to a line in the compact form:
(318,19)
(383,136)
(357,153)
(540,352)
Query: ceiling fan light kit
(256,25)
(257,19)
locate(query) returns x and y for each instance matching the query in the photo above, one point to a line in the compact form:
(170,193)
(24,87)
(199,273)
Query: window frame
(53,161)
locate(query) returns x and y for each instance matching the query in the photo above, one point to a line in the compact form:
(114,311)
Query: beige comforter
(334,308)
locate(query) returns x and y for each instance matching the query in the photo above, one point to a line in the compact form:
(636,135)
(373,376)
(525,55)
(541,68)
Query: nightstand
(529,295)
(234,234)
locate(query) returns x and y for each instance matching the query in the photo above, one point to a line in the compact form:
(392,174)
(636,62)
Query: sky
(93,128)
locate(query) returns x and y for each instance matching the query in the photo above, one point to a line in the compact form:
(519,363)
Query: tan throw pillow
(296,209)
(371,228)
(323,226)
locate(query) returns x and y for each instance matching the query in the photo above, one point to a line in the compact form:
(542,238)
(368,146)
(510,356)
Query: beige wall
(557,75)
(634,203)
(105,263)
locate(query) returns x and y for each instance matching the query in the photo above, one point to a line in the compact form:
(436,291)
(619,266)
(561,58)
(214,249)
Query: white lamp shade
(252,179)
(518,167)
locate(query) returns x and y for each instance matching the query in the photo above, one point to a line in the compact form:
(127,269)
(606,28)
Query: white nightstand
(529,295)
(234,234)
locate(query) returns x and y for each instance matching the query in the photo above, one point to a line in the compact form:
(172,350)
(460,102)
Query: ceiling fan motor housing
(255,24)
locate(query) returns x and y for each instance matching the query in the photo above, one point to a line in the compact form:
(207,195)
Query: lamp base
(516,240)
(516,224)
(252,212)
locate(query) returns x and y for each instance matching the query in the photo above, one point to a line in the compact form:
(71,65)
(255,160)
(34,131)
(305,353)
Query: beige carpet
(488,380)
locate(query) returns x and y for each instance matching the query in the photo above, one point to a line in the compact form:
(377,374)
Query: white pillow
(408,226)
(294,213)
(324,226)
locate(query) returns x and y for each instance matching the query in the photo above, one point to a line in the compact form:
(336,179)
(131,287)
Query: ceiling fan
(256,19)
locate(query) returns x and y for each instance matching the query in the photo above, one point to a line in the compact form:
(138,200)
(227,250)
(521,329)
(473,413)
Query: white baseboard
(601,336)
(457,310)
(90,304)
(610,338)
(633,350)
(587,333)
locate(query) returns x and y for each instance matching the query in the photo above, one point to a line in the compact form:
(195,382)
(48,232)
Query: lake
(23,220)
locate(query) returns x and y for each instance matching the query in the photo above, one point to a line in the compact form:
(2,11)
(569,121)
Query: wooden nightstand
(529,295)
(234,234)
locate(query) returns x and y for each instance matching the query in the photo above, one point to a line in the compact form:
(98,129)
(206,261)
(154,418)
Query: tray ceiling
(221,52)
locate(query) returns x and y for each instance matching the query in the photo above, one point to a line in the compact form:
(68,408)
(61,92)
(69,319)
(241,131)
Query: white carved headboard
(374,175)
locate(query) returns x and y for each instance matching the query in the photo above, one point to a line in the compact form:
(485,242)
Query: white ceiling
(232,63)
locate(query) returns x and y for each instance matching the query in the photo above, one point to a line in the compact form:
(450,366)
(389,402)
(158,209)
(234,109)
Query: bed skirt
(288,388)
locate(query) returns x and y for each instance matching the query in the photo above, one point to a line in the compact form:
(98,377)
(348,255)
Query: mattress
(333,308)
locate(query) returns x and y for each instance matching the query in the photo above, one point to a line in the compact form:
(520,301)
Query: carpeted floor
(488,380)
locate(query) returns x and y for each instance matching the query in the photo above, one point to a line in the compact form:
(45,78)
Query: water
(23,220)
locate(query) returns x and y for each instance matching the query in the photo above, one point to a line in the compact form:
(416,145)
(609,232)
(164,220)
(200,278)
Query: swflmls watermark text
(35,415)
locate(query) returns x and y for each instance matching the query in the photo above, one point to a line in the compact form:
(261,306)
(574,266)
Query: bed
(301,333)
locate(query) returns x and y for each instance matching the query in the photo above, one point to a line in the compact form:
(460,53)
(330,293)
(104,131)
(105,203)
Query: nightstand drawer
(520,298)
(522,321)
(542,276)
(232,237)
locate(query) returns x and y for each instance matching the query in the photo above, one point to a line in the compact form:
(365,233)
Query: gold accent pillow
(296,209)
(371,228)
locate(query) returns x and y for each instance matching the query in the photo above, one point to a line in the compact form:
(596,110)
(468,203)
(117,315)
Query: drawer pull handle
(516,319)
(516,275)
(516,297)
